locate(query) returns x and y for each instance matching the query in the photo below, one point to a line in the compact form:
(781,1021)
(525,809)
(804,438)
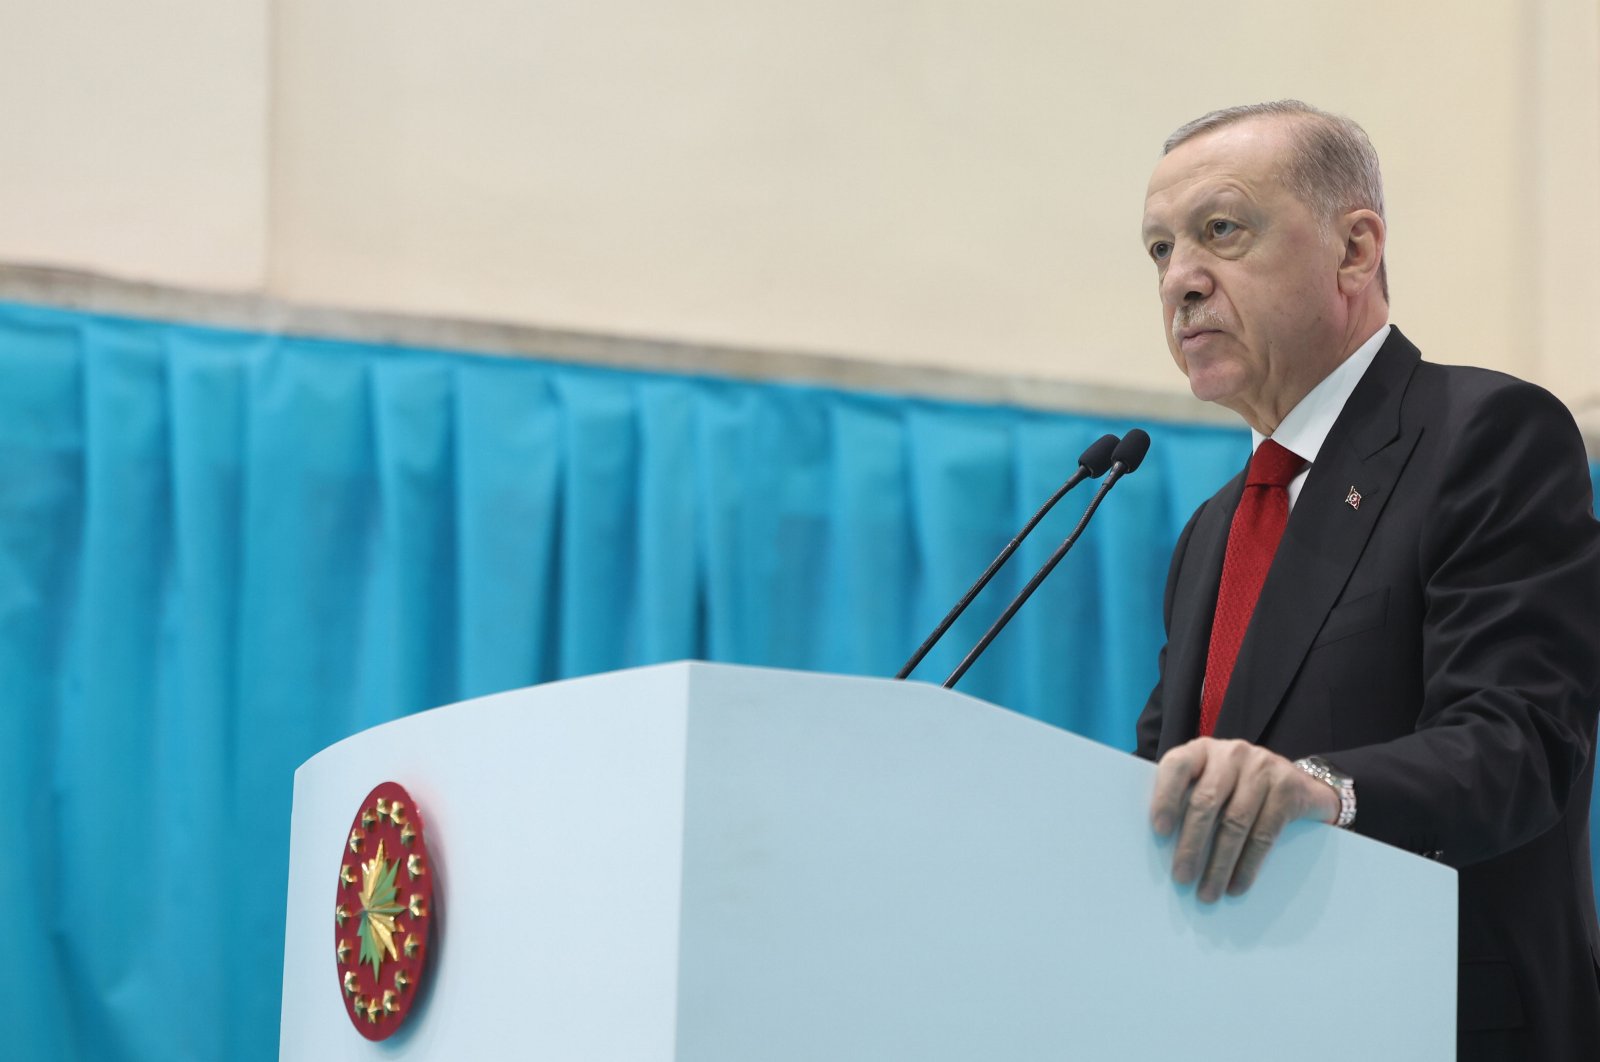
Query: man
(1402,592)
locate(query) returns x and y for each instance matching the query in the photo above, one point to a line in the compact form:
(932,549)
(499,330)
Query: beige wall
(1565,72)
(133,138)
(954,184)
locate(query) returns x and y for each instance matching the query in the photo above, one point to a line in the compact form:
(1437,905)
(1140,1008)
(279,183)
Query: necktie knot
(1273,466)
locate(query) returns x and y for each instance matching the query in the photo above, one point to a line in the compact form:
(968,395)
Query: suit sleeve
(1510,560)
(1148,729)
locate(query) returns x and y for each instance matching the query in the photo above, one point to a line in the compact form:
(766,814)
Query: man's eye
(1160,249)
(1221,227)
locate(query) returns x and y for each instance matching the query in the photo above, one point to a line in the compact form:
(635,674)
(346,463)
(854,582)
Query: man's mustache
(1196,317)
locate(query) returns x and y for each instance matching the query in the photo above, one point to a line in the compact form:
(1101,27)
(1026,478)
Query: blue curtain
(222,551)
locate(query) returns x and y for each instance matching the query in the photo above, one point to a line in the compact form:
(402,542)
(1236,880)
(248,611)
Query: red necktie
(1252,540)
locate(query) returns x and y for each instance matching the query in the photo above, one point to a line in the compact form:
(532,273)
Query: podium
(709,863)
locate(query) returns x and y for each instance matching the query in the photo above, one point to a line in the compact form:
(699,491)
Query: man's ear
(1363,250)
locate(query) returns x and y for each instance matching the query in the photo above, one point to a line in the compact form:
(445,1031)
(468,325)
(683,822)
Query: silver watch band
(1341,784)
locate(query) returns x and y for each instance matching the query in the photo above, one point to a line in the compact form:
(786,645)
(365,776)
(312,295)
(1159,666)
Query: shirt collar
(1307,425)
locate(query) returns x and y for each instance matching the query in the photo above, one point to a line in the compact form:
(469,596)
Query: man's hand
(1229,800)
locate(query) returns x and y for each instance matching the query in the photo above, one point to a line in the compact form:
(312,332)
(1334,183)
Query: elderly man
(1391,619)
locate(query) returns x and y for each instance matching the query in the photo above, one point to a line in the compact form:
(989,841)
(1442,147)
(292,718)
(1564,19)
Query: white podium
(724,864)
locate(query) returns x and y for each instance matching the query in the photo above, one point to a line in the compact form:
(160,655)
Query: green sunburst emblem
(378,909)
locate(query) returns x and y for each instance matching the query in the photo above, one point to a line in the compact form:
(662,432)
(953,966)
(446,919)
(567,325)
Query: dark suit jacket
(1440,643)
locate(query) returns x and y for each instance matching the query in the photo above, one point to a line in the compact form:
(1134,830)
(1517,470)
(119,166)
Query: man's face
(1248,280)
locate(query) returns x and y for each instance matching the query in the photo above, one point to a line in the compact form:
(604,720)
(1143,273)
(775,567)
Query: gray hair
(1331,168)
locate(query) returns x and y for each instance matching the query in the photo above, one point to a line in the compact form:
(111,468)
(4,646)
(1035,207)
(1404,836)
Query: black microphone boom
(1091,465)
(1128,456)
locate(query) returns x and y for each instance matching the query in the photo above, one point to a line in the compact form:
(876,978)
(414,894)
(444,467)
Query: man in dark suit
(1391,619)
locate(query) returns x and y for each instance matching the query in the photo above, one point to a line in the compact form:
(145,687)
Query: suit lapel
(1366,450)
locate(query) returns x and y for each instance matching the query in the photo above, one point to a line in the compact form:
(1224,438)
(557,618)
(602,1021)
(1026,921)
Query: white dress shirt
(1307,425)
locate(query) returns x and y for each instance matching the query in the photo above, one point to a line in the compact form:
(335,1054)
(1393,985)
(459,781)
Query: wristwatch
(1343,784)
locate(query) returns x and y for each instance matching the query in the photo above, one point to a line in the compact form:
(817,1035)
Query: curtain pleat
(223,551)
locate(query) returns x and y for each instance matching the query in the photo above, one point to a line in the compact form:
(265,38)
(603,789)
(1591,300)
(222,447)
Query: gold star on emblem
(355,839)
(347,875)
(414,866)
(407,834)
(397,813)
(401,981)
(343,951)
(411,945)
(416,907)
(340,913)
(350,983)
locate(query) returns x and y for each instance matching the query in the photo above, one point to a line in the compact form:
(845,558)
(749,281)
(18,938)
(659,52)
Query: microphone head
(1131,450)
(1097,458)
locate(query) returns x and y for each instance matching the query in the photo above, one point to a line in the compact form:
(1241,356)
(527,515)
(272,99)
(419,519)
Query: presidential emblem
(382,912)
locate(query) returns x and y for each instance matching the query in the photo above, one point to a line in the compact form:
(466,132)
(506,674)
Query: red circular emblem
(382,912)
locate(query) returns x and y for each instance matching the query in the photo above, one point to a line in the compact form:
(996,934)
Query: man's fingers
(1227,801)
(1174,774)
(1272,817)
(1291,798)
(1256,847)
(1207,798)
(1235,831)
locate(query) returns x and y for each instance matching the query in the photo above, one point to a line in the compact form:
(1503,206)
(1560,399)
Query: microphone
(1127,458)
(1092,464)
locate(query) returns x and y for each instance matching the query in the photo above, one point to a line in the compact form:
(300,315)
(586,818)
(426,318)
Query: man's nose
(1187,278)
